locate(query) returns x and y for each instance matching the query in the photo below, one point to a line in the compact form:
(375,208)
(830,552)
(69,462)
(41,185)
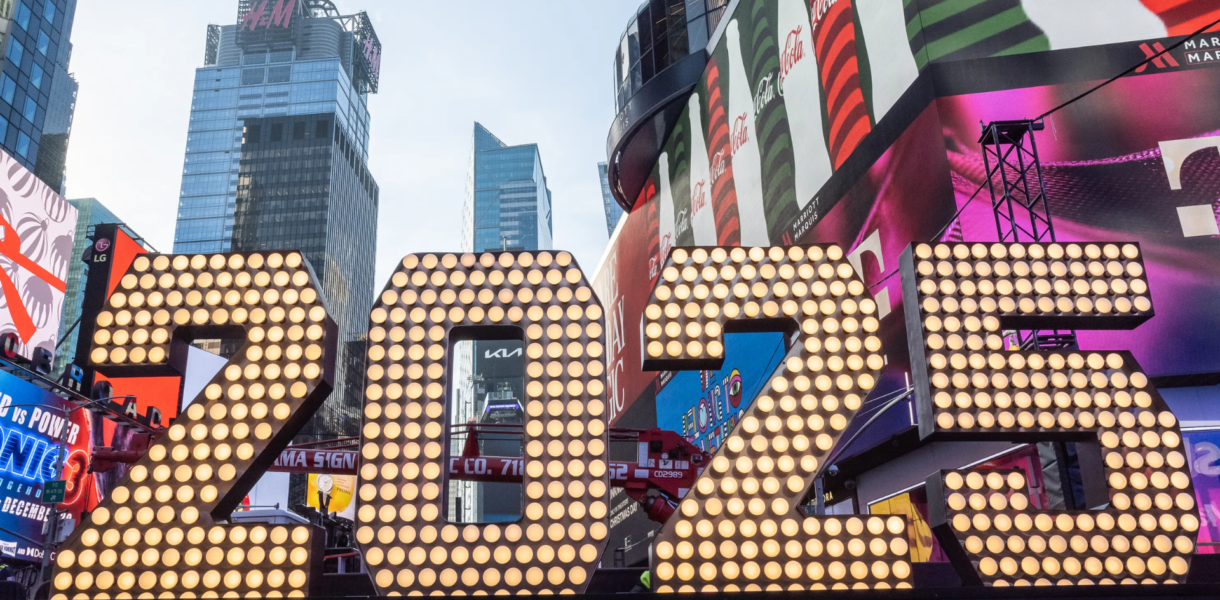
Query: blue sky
(532,71)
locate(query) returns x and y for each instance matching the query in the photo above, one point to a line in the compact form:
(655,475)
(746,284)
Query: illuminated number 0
(407,542)
(157,532)
(741,529)
(959,299)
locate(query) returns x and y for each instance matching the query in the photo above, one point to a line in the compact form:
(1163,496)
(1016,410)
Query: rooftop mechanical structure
(276,23)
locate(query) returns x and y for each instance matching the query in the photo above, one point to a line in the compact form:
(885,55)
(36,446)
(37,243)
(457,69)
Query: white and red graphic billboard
(37,227)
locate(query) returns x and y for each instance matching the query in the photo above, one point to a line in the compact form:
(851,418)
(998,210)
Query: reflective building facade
(276,159)
(89,213)
(660,35)
(302,184)
(508,205)
(37,95)
(613,211)
(307,69)
(659,60)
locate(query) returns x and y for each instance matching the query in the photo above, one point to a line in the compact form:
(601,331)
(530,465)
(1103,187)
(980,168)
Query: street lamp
(59,470)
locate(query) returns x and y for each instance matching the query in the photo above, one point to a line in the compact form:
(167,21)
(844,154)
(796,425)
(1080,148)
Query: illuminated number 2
(407,542)
(959,298)
(740,527)
(157,532)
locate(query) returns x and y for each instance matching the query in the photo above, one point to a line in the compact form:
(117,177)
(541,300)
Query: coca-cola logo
(741,132)
(719,165)
(280,15)
(819,8)
(765,93)
(794,52)
(667,242)
(698,196)
(683,222)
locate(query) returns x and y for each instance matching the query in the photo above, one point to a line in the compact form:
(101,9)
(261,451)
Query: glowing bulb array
(155,535)
(959,299)
(740,529)
(407,543)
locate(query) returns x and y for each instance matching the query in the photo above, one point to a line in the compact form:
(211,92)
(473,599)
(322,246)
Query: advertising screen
(37,227)
(705,405)
(31,425)
(1204,457)
(847,124)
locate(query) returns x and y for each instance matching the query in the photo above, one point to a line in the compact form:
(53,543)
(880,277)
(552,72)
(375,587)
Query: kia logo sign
(502,353)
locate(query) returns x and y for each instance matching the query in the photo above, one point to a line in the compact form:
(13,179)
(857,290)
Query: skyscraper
(37,92)
(276,159)
(508,207)
(309,61)
(613,211)
(89,213)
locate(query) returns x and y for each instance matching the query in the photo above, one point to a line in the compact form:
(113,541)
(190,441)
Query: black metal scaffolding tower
(1018,202)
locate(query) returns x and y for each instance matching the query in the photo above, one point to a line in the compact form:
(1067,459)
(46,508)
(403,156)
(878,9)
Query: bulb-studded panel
(959,299)
(157,532)
(545,300)
(741,528)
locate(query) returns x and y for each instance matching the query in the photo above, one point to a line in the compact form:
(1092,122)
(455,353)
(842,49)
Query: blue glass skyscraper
(614,212)
(264,68)
(277,159)
(508,205)
(36,91)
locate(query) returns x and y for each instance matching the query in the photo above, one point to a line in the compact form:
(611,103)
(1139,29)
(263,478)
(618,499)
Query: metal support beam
(1018,203)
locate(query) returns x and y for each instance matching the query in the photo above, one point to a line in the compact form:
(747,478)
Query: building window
(280,56)
(254,59)
(15,51)
(277,132)
(251,76)
(23,144)
(322,130)
(279,75)
(36,76)
(254,134)
(31,109)
(8,88)
(48,12)
(298,130)
(23,15)
(44,43)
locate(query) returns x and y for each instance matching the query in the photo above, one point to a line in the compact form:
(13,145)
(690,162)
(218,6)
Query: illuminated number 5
(959,298)
(158,533)
(740,528)
(407,542)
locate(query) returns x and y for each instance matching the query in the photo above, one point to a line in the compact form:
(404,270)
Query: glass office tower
(614,212)
(308,67)
(89,214)
(276,159)
(508,207)
(36,92)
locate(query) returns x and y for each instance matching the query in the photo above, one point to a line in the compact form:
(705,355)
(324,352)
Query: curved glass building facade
(661,33)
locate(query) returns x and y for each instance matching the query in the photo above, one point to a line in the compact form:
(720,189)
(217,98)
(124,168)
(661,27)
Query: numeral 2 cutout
(408,544)
(740,528)
(157,534)
(959,299)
